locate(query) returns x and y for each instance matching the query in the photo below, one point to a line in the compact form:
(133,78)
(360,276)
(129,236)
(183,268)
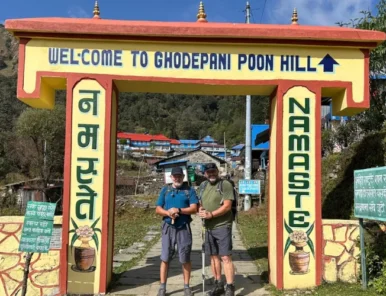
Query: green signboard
(370,193)
(37,227)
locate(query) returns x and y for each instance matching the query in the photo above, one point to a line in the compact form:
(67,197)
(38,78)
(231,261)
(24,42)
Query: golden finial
(201,16)
(97,13)
(295,17)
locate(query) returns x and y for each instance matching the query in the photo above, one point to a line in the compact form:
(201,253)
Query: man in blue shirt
(176,203)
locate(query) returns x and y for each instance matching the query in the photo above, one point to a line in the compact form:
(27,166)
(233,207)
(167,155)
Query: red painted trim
(63,275)
(187,39)
(274,82)
(316,89)
(209,31)
(318,189)
(279,188)
(20,67)
(115,165)
(274,93)
(108,85)
(366,95)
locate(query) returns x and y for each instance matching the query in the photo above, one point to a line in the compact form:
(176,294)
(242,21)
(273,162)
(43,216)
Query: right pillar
(295,234)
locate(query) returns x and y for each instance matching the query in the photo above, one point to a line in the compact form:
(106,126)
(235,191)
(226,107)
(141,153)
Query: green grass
(131,225)
(253,226)
(338,289)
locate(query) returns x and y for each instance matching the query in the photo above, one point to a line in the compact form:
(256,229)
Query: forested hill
(189,117)
(177,116)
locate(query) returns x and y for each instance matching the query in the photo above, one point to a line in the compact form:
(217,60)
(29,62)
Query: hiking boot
(230,290)
(161,292)
(218,290)
(188,292)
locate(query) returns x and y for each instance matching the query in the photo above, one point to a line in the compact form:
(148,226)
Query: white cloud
(317,12)
(78,12)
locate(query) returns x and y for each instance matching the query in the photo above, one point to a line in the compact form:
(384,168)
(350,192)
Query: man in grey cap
(176,203)
(216,198)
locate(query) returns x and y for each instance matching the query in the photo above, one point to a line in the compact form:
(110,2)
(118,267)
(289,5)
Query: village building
(196,158)
(149,144)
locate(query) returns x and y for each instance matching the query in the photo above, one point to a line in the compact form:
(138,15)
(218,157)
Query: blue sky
(311,12)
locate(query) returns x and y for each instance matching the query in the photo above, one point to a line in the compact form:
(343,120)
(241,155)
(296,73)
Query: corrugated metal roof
(238,147)
(172,162)
(189,141)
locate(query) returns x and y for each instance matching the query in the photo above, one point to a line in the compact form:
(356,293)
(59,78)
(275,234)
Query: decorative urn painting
(299,259)
(83,252)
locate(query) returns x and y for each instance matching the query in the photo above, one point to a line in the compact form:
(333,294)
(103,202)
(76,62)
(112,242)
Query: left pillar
(89,186)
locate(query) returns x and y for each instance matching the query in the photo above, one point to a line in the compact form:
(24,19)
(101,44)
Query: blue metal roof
(238,147)
(189,141)
(258,130)
(378,76)
(172,162)
(208,139)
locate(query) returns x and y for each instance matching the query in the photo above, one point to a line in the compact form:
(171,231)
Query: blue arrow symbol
(328,63)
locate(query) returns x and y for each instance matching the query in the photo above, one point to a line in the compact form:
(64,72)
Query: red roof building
(146,141)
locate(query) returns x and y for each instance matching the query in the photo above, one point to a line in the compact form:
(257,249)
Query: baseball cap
(210,166)
(177,171)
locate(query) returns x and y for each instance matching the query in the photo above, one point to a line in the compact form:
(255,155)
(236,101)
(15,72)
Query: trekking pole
(203,256)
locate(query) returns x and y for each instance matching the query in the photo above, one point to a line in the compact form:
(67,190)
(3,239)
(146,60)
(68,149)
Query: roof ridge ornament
(295,17)
(96,12)
(201,16)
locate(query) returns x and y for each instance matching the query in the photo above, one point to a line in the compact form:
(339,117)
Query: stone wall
(340,251)
(44,268)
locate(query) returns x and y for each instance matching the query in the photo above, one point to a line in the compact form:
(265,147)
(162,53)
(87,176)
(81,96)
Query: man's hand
(204,214)
(173,213)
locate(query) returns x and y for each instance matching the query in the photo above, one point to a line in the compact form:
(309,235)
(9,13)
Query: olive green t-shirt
(211,199)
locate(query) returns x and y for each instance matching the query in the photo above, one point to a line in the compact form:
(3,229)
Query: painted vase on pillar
(84,254)
(299,260)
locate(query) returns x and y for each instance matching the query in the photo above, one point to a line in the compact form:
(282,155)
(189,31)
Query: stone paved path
(143,279)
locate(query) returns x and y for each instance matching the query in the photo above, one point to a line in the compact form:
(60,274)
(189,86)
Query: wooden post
(28,258)
(363,254)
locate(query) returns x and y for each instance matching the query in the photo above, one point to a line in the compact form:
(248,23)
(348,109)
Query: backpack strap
(221,191)
(168,189)
(202,189)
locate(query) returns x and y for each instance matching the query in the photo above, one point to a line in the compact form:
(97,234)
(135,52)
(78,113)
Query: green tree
(373,118)
(41,142)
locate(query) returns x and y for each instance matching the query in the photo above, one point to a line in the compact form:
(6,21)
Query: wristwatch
(179,210)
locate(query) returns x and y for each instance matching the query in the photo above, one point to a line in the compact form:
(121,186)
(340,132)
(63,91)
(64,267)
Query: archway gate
(95,59)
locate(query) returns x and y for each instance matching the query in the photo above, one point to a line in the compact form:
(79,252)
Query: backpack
(220,189)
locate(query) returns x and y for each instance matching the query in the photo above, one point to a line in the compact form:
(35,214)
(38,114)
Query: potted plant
(84,254)
(299,260)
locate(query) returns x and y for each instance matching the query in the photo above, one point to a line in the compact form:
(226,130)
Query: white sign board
(249,187)
(56,239)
